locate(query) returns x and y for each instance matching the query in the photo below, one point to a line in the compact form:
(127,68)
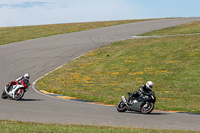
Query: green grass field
(30,127)
(189,28)
(103,75)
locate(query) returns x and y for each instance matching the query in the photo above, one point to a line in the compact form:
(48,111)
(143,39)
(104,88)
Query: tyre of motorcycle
(4,95)
(121,107)
(19,94)
(147,107)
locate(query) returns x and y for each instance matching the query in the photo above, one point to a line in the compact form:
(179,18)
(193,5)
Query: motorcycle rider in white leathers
(23,82)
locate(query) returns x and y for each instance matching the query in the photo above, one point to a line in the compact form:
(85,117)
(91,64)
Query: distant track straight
(42,55)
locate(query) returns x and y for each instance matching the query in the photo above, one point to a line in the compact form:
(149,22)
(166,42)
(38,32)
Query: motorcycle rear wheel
(146,109)
(19,94)
(3,95)
(121,107)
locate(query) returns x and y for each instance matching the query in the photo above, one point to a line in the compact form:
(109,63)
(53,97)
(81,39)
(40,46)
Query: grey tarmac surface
(40,56)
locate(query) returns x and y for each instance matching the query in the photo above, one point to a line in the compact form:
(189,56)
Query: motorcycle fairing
(136,106)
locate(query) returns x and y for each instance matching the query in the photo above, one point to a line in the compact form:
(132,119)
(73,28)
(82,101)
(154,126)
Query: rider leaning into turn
(25,79)
(144,89)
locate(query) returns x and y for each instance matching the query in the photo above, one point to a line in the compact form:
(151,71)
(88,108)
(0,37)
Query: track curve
(40,56)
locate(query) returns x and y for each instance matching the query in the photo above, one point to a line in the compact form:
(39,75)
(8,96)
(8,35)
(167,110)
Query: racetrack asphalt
(42,55)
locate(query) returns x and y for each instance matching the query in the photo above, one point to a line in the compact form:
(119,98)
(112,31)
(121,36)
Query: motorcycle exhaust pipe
(124,100)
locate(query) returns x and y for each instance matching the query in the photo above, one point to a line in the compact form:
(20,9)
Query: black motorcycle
(144,103)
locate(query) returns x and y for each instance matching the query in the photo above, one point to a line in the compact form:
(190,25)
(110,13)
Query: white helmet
(149,85)
(27,76)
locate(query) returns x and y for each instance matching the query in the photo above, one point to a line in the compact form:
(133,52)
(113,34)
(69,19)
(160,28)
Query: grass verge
(7,126)
(103,75)
(189,28)
(21,33)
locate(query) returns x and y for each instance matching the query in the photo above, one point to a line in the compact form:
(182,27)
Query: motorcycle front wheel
(121,107)
(147,107)
(19,94)
(3,95)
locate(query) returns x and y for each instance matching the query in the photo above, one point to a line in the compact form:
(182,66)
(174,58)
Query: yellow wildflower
(173,61)
(115,73)
(137,73)
(129,61)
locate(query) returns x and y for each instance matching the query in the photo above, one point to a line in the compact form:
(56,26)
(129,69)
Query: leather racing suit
(143,90)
